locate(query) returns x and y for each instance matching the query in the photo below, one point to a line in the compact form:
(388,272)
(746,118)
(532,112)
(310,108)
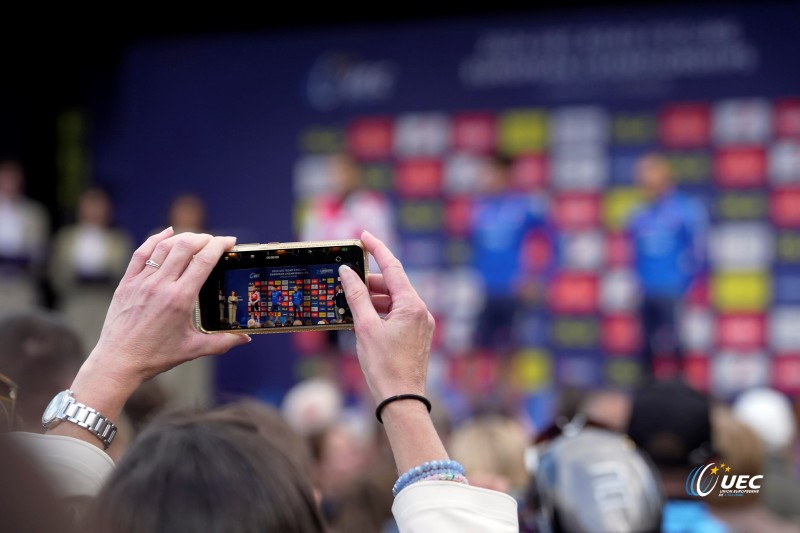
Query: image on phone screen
(284,289)
(275,297)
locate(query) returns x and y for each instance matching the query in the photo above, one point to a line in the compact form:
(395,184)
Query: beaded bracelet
(458,478)
(444,469)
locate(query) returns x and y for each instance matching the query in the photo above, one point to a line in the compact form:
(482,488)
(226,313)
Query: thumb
(219,343)
(357,295)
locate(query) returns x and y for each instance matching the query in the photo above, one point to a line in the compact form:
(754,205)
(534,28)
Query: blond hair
(739,447)
(493,445)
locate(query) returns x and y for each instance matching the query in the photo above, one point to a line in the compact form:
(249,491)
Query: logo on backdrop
(704,479)
(338,78)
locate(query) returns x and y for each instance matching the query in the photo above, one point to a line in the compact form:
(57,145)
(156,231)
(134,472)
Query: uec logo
(702,481)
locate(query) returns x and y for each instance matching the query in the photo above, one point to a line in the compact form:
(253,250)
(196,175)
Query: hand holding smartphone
(280,288)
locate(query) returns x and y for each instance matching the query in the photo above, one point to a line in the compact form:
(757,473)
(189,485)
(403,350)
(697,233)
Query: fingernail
(248,337)
(346,275)
(167,230)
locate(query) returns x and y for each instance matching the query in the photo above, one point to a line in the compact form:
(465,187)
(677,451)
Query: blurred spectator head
(187,213)
(769,413)
(94,208)
(272,427)
(497,173)
(342,455)
(654,175)
(670,421)
(492,450)
(312,406)
(12,178)
(346,174)
(594,479)
(609,408)
(736,445)
(42,355)
(145,403)
(366,505)
(27,500)
(206,472)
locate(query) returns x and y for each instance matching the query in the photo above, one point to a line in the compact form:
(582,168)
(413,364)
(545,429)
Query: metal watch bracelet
(89,419)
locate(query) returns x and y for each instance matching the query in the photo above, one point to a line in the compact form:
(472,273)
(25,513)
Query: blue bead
(447,469)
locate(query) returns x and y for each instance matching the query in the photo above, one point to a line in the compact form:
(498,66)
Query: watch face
(55,407)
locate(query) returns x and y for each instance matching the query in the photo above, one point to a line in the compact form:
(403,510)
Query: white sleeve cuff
(73,467)
(447,506)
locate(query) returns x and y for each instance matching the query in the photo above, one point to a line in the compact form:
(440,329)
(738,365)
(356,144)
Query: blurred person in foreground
(41,354)
(393,330)
(770,415)
(586,479)
(352,469)
(245,469)
(87,261)
(668,235)
(27,501)
(609,408)
(352,461)
(341,454)
(24,232)
(671,423)
(740,453)
(492,449)
(501,222)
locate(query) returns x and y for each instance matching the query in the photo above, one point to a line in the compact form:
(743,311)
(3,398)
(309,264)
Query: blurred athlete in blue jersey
(297,303)
(275,300)
(501,221)
(669,241)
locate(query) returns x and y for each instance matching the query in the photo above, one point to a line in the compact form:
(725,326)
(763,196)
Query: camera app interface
(280,296)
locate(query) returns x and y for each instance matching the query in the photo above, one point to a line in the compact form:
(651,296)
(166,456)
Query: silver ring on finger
(152,263)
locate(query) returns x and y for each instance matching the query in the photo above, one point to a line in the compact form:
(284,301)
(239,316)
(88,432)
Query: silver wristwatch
(65,407)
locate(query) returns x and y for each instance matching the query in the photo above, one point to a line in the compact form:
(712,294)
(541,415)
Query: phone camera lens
(338,259)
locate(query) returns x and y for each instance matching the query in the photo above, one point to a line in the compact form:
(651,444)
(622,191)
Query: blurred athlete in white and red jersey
(348,209)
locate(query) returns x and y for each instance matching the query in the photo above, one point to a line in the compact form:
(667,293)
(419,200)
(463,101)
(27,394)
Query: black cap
(670,421)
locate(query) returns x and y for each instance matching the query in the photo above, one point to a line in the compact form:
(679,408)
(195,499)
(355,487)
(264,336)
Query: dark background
(61,60)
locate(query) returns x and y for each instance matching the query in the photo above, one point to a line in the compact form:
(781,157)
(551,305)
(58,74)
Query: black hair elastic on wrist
(391,399)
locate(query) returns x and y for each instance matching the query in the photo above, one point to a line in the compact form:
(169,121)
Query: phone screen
(285,289)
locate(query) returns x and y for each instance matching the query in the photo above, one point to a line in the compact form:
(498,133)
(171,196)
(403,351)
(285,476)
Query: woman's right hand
(393,349)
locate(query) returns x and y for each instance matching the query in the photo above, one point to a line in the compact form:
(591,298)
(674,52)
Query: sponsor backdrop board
(250,122)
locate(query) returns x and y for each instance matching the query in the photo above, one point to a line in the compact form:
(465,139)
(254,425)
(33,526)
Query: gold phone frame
(287,246)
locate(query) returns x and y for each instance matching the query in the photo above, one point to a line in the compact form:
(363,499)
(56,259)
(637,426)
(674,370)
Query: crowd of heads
(612,459)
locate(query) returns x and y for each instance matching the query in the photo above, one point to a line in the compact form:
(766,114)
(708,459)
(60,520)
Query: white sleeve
(446,506)
(74,468)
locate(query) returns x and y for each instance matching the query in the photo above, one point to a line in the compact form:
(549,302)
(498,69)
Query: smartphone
(280,287)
